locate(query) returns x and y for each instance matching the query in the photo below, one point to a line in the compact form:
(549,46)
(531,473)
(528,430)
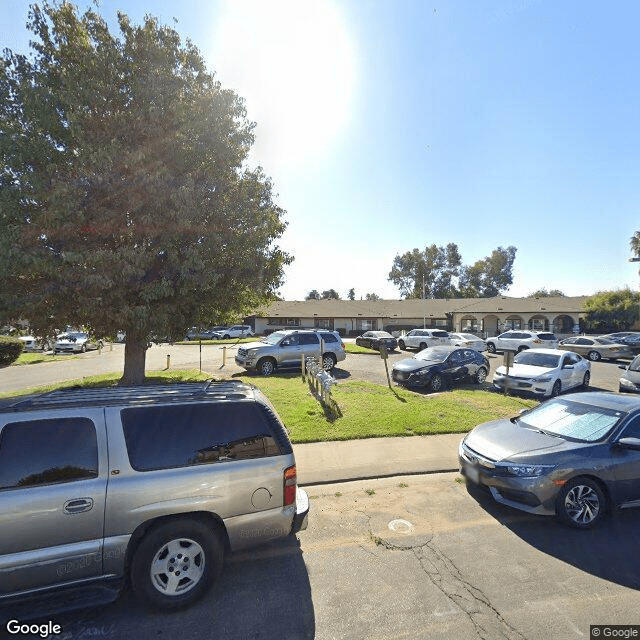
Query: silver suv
(286,348)
(153,484)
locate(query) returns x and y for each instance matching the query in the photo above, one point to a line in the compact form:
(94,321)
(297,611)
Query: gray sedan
(596,348)
(575,457)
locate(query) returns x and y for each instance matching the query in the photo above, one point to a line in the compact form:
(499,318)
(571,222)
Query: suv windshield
(273,338)
(572,420)
(547,360)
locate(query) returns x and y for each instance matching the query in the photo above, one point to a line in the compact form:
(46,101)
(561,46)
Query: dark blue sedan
(437,367)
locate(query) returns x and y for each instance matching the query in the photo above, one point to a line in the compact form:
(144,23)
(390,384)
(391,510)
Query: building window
(367,325)
(323,323)
(442,323)
(284,322)
(469,324)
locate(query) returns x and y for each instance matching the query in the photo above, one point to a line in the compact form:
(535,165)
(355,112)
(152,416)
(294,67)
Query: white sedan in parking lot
(468,340)
(76,342)
(544,372)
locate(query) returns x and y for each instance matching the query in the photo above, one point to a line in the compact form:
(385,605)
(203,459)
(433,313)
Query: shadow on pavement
(263,593)
(608,551)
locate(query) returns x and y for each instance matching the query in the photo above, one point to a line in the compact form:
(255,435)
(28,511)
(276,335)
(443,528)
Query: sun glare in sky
(294,63)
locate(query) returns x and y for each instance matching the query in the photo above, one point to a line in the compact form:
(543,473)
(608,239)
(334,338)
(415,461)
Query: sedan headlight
(529,470)
(546,378)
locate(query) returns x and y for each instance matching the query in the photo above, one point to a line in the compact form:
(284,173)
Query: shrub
(10,350)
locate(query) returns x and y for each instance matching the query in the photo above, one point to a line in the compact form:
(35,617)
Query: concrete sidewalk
(325,462)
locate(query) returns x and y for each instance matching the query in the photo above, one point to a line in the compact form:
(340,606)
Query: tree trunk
(135,352)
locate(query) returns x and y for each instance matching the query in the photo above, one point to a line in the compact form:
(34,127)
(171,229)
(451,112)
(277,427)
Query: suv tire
(328,361)
(402,345)
(175,564)
(266,366)
(491,348)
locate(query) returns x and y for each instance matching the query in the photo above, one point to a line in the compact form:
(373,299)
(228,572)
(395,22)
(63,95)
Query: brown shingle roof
(414,308)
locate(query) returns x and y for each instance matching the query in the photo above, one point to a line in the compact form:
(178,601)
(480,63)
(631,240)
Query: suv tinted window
(328,337)
(546,336)
(184,435)
(308,338)
(440,334)
(47,452)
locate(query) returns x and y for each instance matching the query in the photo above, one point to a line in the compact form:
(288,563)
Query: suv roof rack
(137,395)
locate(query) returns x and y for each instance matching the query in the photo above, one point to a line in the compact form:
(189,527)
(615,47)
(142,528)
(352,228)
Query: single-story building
(483,316)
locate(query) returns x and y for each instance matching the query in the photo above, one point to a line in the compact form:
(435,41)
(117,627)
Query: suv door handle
(78,505)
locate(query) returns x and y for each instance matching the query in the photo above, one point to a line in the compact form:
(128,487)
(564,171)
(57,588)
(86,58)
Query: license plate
(472,474)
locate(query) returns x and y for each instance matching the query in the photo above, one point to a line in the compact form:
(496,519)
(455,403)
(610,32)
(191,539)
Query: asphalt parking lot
(411,557)
(218,361)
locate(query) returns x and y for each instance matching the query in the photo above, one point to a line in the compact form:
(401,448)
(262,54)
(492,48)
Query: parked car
(544,372)
(629,338)
(422,338)
(596,348)
(205,334)
(630,379)
(146,485)
(436,367)
(574,457)
(282,349)
(235,331)
(468,340)
(518,340)
(375,339)
(30,343)
(77,342)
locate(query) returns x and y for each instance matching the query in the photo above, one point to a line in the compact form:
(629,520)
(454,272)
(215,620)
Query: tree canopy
(438,272)
(609,311)
(125,200)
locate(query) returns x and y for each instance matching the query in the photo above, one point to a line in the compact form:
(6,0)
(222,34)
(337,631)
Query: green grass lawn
(35,358)
(366,410)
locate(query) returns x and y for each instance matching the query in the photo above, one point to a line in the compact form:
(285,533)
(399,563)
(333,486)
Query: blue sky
(387,125)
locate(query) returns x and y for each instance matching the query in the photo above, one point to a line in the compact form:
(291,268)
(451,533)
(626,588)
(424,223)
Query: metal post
(168,361)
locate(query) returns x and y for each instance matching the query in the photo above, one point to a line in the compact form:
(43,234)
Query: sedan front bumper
(534,495)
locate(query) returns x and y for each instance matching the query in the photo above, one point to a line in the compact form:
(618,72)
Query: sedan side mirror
(630,443)
(623,366)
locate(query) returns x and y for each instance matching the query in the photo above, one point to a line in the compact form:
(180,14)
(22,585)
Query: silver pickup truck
(153,484)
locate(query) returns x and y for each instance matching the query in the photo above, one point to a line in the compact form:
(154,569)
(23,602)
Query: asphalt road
(219,363)
(409,557)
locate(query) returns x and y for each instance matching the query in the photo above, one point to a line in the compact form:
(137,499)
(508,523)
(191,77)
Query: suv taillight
(290,481)
(537,342)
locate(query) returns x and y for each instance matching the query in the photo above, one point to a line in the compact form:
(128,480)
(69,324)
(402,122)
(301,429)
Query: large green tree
(427,274)
(438,272)
(125,200)
(609,311)
(488,277)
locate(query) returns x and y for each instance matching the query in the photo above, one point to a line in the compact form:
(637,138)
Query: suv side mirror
(623,366)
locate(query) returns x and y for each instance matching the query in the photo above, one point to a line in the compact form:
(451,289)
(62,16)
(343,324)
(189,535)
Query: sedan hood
(503,440)
(412,364)
(525,370)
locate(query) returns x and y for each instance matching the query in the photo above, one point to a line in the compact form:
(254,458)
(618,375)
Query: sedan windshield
(547,360)
(433,354)
(572,420)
